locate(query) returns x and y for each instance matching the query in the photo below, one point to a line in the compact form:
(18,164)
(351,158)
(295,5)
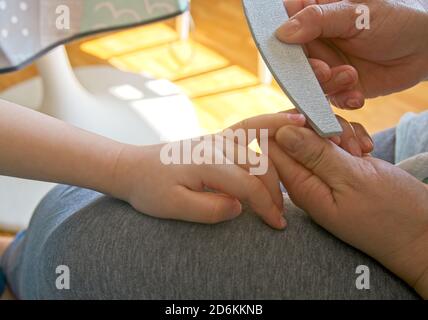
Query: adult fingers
(348,99)
(306,189)
(322,157)
(355,139)
(325,51)
(343,78)
(327,20)
(348,139)
(321,69)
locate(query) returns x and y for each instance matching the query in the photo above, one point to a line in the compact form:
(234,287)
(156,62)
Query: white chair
(131,108)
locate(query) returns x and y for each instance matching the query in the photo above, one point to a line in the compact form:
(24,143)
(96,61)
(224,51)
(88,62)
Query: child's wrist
(129,169)
(119,184)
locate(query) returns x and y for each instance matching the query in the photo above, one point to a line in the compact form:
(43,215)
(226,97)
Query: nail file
(289,65)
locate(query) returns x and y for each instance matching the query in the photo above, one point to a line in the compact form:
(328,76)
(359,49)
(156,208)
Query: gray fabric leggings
(113,252)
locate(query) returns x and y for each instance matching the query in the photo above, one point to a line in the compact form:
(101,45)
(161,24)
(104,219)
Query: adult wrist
(420,256)
(410,259)
(421,285)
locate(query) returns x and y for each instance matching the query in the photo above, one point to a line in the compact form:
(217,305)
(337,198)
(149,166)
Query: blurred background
(217,68)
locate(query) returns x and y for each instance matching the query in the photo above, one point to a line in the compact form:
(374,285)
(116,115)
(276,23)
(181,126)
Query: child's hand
(175,191)
(368,203)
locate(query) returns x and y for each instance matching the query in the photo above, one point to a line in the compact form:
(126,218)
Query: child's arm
(36,146)
(39,147)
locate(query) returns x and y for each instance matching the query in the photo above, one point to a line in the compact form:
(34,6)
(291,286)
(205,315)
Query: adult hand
(353,64)
(368,203)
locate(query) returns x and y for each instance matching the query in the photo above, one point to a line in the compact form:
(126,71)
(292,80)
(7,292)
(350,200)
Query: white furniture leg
(183,25)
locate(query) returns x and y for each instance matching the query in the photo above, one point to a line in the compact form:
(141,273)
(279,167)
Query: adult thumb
(330,20)
(320,156)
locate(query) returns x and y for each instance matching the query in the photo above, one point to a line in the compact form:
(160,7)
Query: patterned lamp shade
(30,28)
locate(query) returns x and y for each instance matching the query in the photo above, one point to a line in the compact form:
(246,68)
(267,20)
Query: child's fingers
(236,182)
(205,207)
(272,122)
(258,165)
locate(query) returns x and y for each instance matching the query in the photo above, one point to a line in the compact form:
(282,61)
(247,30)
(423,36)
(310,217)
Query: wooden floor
(226,89)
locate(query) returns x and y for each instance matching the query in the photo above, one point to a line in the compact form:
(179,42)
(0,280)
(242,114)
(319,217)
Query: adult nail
(288,29)
(320,74)
(354,103)
(237,208)
(344,78)
(368,142)
(354,147)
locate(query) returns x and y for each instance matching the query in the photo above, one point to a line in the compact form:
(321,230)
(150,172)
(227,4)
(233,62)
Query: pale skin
(36,146)
(132,173)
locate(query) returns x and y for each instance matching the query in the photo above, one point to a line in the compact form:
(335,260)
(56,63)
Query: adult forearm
(39,147)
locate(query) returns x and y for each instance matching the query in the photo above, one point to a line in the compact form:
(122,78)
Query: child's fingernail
(237,208)
(296,117)
(288,29)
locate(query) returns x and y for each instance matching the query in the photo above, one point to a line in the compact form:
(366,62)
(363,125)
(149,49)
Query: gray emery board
(289,65)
